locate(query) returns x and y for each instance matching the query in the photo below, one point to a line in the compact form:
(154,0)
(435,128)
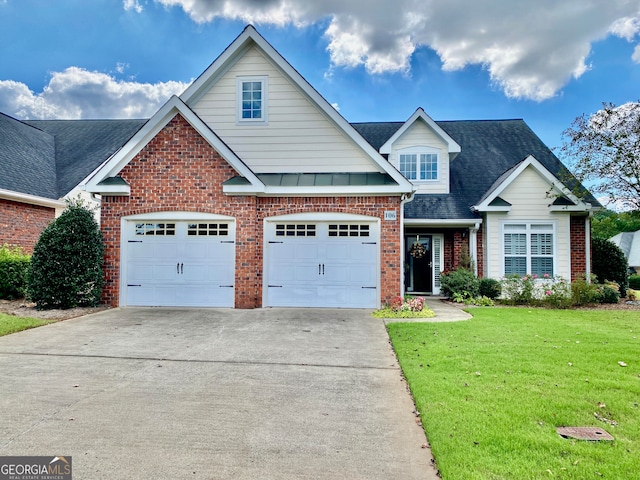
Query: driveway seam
(184,360)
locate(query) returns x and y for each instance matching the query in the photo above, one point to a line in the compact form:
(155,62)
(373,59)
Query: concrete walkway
(212,394)
(445,311)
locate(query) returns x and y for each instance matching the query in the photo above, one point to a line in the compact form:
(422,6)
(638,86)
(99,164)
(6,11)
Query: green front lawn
(492,391)
(10,324)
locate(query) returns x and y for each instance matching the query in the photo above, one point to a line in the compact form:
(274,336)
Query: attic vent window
(252,100)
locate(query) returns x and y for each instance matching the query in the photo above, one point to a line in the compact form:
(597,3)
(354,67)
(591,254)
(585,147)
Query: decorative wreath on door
(417,250)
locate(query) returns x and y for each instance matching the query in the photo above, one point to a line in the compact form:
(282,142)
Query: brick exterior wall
(578,247)
(21,223)
(179,171)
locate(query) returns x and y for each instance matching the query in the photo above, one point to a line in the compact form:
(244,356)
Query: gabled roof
(251,38)
(629,243)
(102,181)
(420,115)
(557,190)
(488,149)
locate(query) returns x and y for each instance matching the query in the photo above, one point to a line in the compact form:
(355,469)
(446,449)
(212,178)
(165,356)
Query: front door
(419,264)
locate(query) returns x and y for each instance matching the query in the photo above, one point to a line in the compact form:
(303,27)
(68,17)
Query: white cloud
(530,49)
(132,5)
(78,93)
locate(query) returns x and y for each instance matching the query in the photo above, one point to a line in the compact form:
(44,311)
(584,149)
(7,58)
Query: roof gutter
(31,199)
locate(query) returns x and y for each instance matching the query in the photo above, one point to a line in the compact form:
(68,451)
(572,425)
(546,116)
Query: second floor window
(252,99)
(419,166)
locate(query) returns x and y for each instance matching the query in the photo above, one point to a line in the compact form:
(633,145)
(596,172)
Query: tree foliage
(66,265)
(604,150)
(610,264)
(607,223)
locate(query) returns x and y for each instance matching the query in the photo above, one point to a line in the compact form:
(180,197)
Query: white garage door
(180,263)
(322,264)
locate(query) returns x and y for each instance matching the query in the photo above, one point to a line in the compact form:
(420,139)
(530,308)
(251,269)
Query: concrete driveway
(210,393)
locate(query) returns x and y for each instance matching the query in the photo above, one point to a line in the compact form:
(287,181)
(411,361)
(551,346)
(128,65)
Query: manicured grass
(492,391)
(10,324)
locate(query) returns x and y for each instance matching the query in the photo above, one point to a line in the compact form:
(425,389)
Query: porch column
(473,246)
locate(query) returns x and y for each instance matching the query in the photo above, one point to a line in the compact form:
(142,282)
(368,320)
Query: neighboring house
(629,243)
(251,190)
(45,161)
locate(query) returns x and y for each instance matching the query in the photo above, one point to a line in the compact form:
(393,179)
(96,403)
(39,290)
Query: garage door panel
(179,268)
(325,269)
(292,296)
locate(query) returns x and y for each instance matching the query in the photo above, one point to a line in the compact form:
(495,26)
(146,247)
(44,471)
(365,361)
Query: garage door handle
(321,269)
(181,268)
(370,287)
(178,268)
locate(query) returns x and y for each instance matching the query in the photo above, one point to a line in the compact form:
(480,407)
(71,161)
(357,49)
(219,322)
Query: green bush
(584,292)
(490,288)
(608,294)
(517,290)
(14,264)
(610,264)
(66,266)
(634,282)
(460,282)
(557,293)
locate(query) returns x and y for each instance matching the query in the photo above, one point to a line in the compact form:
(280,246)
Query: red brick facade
(21,223)
(179,171)
(578,247)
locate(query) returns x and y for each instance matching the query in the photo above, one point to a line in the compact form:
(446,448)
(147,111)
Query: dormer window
(419,164)
(252,99)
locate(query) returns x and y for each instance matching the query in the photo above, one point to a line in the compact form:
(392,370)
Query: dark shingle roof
(27,157)
(489,149)
(48,158)
(82,145)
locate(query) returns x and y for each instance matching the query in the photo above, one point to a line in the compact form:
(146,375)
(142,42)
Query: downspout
(406,198)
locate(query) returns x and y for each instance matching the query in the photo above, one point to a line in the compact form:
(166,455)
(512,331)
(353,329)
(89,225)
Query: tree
(604,148)
(610,264)
(66,265)
(607,223)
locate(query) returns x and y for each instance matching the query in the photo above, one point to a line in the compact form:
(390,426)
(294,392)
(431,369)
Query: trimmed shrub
(634,282)
(583,292)
(66,266)
(461,282)
(489,287)
(14,265)
(608,294)
(610,264)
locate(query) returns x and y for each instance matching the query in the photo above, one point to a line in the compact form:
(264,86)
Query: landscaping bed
(23,308)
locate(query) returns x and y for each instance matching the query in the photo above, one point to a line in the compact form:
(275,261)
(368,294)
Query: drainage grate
(584,433)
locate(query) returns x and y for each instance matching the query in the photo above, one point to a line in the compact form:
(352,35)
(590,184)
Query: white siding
(529,202)
(420,134)
(299,137)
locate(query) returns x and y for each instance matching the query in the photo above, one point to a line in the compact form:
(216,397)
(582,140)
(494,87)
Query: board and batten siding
(298,138)
(419,134)
(529,203)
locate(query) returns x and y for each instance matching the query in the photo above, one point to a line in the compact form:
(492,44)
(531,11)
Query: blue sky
(545,61)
